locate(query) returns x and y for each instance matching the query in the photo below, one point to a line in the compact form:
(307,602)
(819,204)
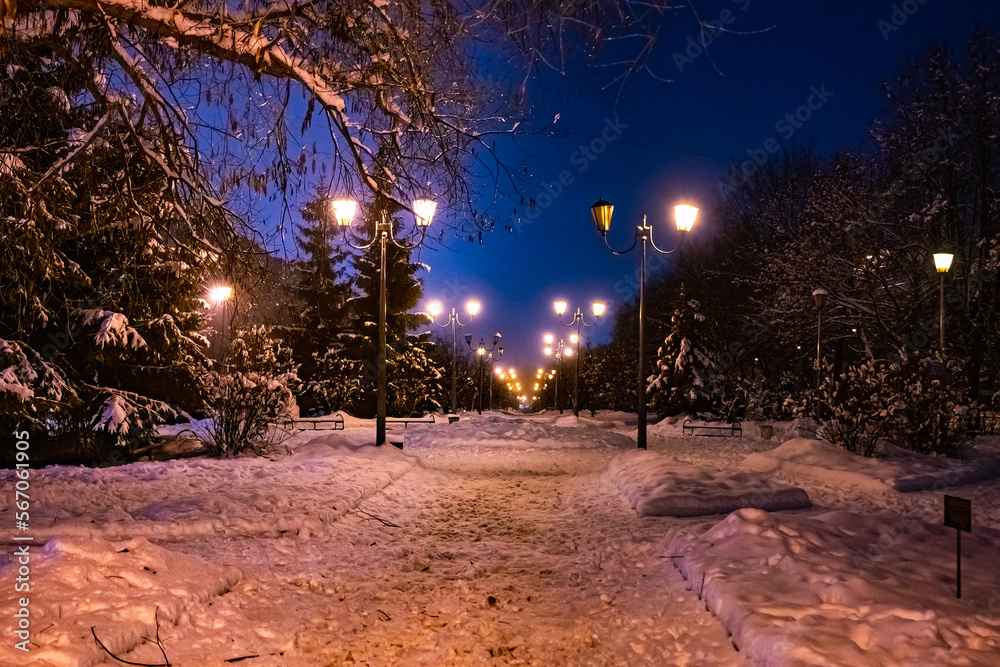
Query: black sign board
(958,513)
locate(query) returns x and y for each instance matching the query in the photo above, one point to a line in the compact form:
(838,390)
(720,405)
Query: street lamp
(561,351)
(220,294)
(343,212)
(942,261)
(434,309)
(819,297)
(482,350)
(578,319)
(684,216)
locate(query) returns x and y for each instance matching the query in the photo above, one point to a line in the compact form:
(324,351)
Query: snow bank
(899,470)
(517,432)
(122,590)
(847,589)
(323,477)
(656,485)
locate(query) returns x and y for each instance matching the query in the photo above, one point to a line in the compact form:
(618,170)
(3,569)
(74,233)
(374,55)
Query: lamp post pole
(423,211)
(942,260)
(578,320)
(819,297)
(685,216)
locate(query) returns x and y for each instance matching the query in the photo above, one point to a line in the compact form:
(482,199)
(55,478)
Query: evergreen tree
(683,379)
(101,310)
(323,289)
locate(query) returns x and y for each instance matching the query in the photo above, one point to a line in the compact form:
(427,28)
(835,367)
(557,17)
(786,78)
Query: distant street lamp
(684,216)
(220,294)
(819,296)
(561,351)
(578,319)
(434,309)
(343,212)
(481,351)
(942,260)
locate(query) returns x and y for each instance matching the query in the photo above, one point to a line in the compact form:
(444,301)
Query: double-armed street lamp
(482,351)
(684,215)
(343,212)
(578,320)
(434,309)
(561,352)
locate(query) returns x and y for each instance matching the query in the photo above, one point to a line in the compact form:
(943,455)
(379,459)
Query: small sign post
(958,515)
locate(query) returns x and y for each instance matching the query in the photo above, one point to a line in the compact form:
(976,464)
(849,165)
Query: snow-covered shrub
(415,380)
(929,414)
(250,394)
(898,401)
(337,380)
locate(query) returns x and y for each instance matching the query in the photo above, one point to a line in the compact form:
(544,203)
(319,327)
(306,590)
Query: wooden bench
(394,421)
(336,423)
(734,430)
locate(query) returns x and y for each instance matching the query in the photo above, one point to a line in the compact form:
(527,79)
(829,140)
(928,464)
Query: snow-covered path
(494,557)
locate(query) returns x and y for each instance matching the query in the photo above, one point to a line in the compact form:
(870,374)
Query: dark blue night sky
(671,141)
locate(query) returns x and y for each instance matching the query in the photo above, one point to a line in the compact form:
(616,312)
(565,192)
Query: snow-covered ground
(502,539)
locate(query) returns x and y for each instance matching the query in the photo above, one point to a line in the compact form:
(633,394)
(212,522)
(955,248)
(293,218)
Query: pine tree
(683,380)
(323,290)
(101,313)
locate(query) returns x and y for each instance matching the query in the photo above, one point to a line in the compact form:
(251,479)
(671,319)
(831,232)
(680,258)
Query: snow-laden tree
(103,270)
(943,149)
(683,378)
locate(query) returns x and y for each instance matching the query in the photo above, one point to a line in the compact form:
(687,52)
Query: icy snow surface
(501,539)
(847,589)
(898,469)
(657,485)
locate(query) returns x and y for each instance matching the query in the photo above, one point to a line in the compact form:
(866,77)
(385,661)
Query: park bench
(428,419)
(734,430)
(336,423)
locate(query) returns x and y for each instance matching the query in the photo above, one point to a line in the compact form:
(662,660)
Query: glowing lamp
(560,307)
(220,293)
(423,211)
(343,211)
(548,338)
(942,260)
(472,307)
(598,309)
(434,308)
(685,215)
(548,351)
(573,338)
(481,350)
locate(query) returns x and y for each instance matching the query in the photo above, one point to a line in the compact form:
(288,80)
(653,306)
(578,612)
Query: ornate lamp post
(423,212)
(481,351)
(819,297)
(434,309)
(578,320)
(942,261)
(684,216)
